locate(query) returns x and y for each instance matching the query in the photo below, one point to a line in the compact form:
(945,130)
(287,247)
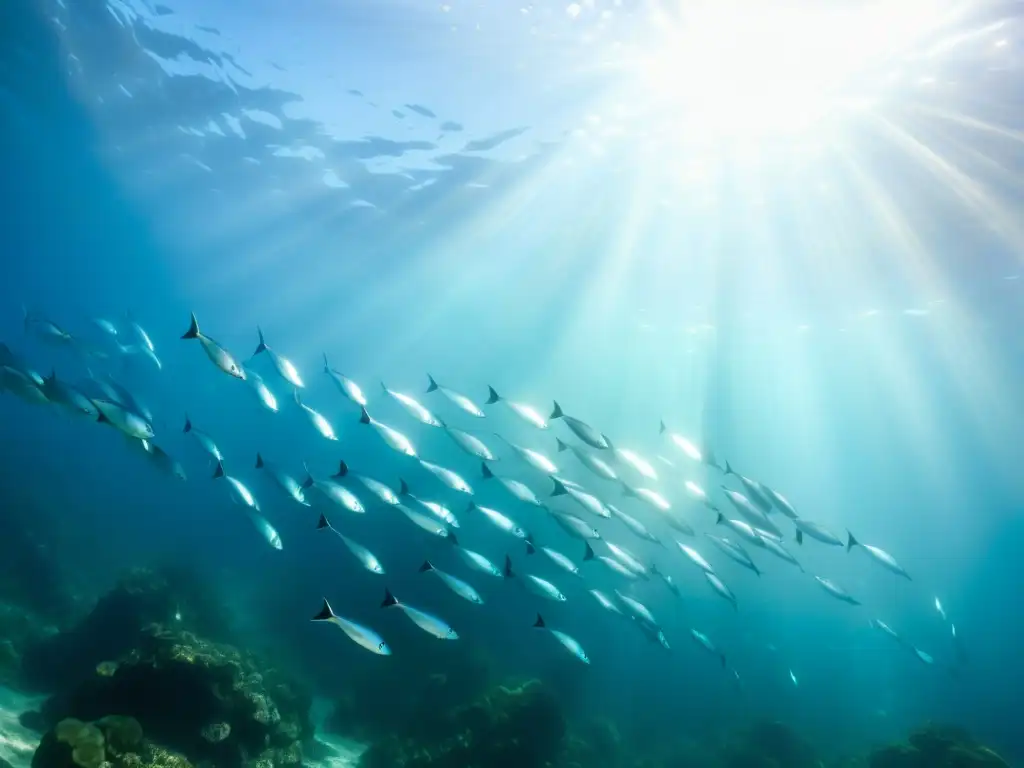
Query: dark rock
(937,746)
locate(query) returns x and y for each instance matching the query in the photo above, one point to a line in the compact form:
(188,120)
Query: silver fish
(438,510)
(535,459)
(606,602)
(285,368)
(634,525)
(682,443)
(376,487)
(458,398)
(793,678)
(418,411)
(286,482)
(321,424)
(755,516)
(719,586)
(567,642)
(614,565)
(927,658)
(588,501)
(345,385)
(22,385)
(779,551)
(633,459)
(879,555)
(471,444)
(885,628)
(428,524)
(365,557)
(940,609)
(128,422)
(336,492)
(534,584)
(627,558)
(836,591)
(263,393)
(394,439)
(239,493)
(45,329)
(127,398)
(575,526)
(519,490)
(704,642)
(669,581)
(815,531)
(162,460)
(781,502)
(500,521)
(64,394)
(219,356)
(430,624)
(475,560)
(695,557)
(595,464)
(265,529)
(650,497)
(360,635)
(675,519)
(452,479)
(754,490)
(527,413)
(741,527)
(734,552)
(203,439)
(638,609)
(456,585)
(106,326)
(556,557)
(700,494)
(581,429)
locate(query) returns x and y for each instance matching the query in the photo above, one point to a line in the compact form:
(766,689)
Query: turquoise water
(562,202)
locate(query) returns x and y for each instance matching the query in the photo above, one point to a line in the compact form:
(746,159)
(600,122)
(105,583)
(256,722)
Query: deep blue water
(545,280)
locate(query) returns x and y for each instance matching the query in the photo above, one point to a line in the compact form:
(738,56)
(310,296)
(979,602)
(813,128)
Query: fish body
(706,644)
(815,531)
(940,609)
(836,591)
(266,530)
(719,586)
(879,555)
(412,406)
(638,609)
(317,419)
(163,460)
(285,368)
(631,458)
(743,528)
(471,444)
(345,385)
(204,440)
(675,519)
(567,642)
(927,658)
(628,559)
(218,355)
(615,566)
(527,413)
(735,552)
(635,527)
(581,429)
(335,492)
(455,584)
(689,449)
(429,524)
(781,503)
(779,551)
(535,459)
(792,677)
(394,439)
(475,560)
(695,557)
(124,396)
(263,393)
(22,384)
(605,602)
(754,491)
(452,479)
(438,510)
(535,584)
(886,629)
(429,623)
(285,482)
(648,496)
(754,515)
(240,494)
(588,501)
(64,394)
(360,635)
(46,330)
(595,464)
(519,490)
(121,418)
(459,399)
(556,557)
(500,521)
(575,526)
(381,490)
(365,557)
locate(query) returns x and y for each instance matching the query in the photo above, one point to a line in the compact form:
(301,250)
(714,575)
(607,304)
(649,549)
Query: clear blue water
(838,317)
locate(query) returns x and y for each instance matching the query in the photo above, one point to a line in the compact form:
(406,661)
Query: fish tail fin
(728,469)
(327,366)
(556,412)
(562,445)
(342,468)
(325,614)
(451,538)
(588,551)
(432,385)
(492,396)
(559,489)
(259,460)
(851,542)
(403,487)
(323,522)
(297,397)
(101,417)
(364,416)
(528,538)
(308,482)
(530,549)
(508,567)
(188,424)
(539,623)
(627,490)
(756,569)
(427,566)
(262,346)
(719,518)
(471,506)
(607,440)
(486,470)
(799,536)
(193,329)
(662,428)
(219,471)
(389,599)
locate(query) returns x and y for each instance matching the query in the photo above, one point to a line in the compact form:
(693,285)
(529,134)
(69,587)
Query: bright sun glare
(728,68)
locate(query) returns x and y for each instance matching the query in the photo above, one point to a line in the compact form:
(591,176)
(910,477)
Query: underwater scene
(493,384)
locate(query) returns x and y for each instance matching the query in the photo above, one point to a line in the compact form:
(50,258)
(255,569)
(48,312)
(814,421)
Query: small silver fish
(263,393)
(376,487)
(519,490)
(940,609)
(885,628)
(162,460)
(705,642)
(695,557)
(336,492)
(815,531)
(457,398)
(456,585)
(285,368)
(606,602)
(535,459)
(567,642)
(754,490)
(500,521)
(438,510)
(219,356)
(638,609)
(575,526)
(430,624)
(755,516)
(734,552)
(345,385)
(22,385)
(792,677)
(639,464)
(669,581)
(128,422)
(428,524)
(414,407)
(471,444)
(779,551)
(360,635)
(635,526)
(365,557)
(64,394)
(203,439)
(556,557)
(627,558)
(45,329)
(836,591)
(452,479)
(689,449)
(475,560)
(534,584)
(394,439)
(650,497)
(879,555)
(781,503)
(588,501)
(527,413)
(286,482)
(321,424)
(265,528)
(581,429)
(719,586)
(595,464)
(239,493)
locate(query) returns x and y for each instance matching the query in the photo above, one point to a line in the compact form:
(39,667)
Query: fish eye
(380,646)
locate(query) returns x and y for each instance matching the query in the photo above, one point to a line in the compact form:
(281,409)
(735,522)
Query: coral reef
(110,742)
(937,746)
(509,727)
